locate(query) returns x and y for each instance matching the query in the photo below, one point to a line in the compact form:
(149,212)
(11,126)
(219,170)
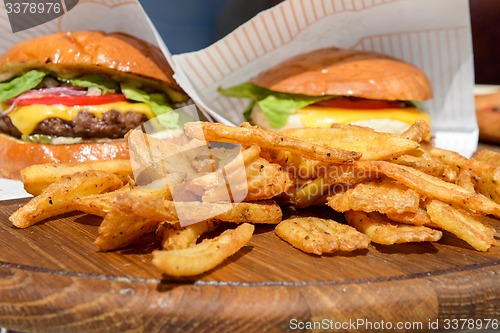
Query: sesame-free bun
(16,155)
(339,72)
(85,51)
(488,117)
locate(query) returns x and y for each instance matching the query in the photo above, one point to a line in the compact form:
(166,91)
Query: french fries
(37,177)
(382,230)
(57,197)
(248,135)
(175,237)
(373,145)
(318,236)
(462,225)
(392,189)
(384,196)
(204,256)
(433,187)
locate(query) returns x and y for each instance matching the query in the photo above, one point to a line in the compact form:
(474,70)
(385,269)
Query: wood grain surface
(54,279)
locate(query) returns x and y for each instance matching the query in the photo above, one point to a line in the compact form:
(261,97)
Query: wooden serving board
(54,279)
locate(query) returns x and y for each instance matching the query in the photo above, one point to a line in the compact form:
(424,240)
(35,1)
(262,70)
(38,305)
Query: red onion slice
(61,91)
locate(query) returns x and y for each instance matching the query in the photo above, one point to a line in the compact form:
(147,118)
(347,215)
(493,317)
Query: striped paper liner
(433,35)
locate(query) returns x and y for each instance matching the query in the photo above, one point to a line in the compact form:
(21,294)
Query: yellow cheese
(25,118)
(313,116)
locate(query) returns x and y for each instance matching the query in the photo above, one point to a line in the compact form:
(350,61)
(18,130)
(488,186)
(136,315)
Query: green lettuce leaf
(103,82)
(21,84)
(276,106)
(157,102)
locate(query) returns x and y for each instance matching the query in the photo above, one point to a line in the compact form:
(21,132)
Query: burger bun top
(341,72)
(85,51)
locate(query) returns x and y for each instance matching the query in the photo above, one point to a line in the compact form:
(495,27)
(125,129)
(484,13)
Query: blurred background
(190,25)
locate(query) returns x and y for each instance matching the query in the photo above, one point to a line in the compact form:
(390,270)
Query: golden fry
(490,157)
(462,225)
(123,225)
(373,145)
(488,183)
(98,204)
(248,135)
(417,132)
(204,256)
(433,187)
(419,218)
(262,180)
(345,174)
(423,163)
(37,177)
(298,166)
(381,230)
(57,197)
(175,237)
(266,212)
(465,180)
(384,196)
(309,194)
(318,236)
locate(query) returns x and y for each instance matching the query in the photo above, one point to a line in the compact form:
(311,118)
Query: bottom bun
(488,117)
(16,155)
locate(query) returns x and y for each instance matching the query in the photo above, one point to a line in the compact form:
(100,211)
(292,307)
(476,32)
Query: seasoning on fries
(391,188)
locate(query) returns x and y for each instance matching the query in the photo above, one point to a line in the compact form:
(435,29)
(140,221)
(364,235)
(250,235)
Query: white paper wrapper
(433,35)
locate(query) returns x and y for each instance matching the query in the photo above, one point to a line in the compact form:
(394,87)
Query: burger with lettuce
(335,85)
(72,96)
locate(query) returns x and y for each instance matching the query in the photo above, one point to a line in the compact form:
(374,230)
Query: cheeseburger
(334,85)
(72,96)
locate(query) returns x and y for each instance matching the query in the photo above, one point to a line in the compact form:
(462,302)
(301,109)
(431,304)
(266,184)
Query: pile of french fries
(391,189)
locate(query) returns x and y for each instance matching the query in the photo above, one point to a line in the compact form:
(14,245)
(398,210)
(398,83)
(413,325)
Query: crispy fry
(433,187)
(248,135)
(175,237)
(204,256)
(373,145)
(98,204)
(488,183)
(56,198)
(263,180)
(419,218)
(308,194)
(417,132)
(318,236)
(490,157)
(381,230)
(462,225)
(425,164)
(37,177)
(384,196)
(465,180)
(101,204)
(123,225)
(298,166)
(346,174)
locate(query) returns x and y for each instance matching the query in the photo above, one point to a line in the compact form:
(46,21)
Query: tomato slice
(72,100)
(360,103)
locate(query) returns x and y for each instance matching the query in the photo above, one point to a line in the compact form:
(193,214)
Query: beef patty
(113,125)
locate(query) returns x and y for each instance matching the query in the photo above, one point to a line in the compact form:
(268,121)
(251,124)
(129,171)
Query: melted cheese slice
(25,118)
(312,116)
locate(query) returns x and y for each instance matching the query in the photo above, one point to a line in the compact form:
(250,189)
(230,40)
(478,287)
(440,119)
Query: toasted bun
(16,155)
(488,117)
(84,50)
(334,71)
